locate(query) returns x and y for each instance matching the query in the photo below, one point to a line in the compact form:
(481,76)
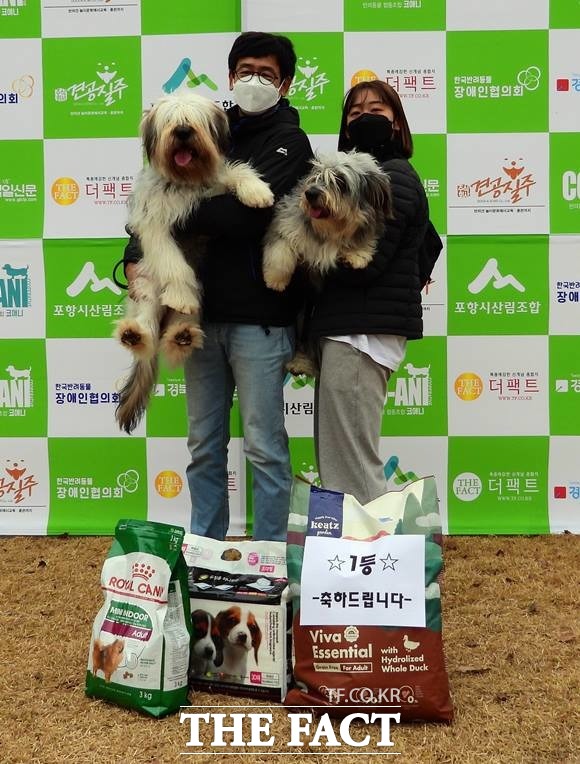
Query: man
(249,328)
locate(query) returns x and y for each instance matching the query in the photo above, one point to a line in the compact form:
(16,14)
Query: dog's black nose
(312,194)
(208,652)
(242,638)
(183,132)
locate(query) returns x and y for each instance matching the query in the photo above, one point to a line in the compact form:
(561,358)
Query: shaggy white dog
(185,139)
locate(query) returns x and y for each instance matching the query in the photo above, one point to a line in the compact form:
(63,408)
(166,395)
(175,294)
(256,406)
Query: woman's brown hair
(387,95)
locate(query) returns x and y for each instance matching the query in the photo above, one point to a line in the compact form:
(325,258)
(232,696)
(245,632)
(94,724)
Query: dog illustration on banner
(336,214)
(185,139)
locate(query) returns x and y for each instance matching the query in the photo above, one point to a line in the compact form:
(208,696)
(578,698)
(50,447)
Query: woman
(363,318)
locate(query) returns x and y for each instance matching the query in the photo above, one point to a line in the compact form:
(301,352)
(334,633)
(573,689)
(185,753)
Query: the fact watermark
(287,730)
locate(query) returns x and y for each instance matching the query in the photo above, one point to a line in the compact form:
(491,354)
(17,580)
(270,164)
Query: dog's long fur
(335,214)
(185,139)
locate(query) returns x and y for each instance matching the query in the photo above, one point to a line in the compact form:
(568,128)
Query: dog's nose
(208,652)
(312,194)
(183,132)
(242,638)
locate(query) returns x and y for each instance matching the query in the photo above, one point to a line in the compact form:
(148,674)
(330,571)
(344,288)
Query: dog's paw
(179,302)
(357,261)
(179,342)
(256,194)
(276,281)
(136,339)
(301,365)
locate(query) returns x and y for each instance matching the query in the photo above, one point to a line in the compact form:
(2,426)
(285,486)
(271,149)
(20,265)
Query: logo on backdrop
(86,488)
(185,73)
(16,391)
(17,192)
(88,278)
(468,386)
(414,390)
(507,485)
(65,191)
(484,86)
(309,82)
(507,385)
(12,7)
(412,83)
(567,291)
(490,273)
(571,188)
(82,394)
(100,190)
(508,187)
(15,484)
(568,84)
(105,90)
(168,484)
(21,89)
(393,470)
(14,288)
(363,75)
(309,473)
(568,385)
(570,491)
(467,486)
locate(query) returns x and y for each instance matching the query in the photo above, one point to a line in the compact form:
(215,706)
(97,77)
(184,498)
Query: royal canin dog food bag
(240,617)
(139,650)
(365,585)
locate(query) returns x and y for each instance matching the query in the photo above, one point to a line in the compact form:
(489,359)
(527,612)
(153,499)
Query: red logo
(560,492)
(255,677)
(562,85)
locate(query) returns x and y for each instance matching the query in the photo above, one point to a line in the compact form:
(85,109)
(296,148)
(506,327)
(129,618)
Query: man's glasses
(266,78)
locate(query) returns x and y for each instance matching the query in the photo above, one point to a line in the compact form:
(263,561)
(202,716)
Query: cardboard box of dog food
(241,640)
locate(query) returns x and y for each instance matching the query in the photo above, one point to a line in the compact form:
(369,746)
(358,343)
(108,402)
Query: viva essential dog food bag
(366,602)
(139,650)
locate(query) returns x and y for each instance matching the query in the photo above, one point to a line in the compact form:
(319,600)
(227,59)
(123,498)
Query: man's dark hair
(259,44)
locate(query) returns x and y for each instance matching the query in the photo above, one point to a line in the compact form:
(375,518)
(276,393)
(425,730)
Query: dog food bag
(240,640)
(365,582)
(139,651)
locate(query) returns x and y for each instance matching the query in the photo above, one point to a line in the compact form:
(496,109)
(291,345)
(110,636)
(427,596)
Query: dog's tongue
(182,158)
(316,212)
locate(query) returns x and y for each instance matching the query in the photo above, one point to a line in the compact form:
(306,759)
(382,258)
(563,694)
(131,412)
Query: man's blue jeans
(253,359)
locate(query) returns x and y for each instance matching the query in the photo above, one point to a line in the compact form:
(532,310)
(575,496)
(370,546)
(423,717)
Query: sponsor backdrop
(488,402)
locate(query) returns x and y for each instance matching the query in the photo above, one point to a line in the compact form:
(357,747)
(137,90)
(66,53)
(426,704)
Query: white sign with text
(368,583)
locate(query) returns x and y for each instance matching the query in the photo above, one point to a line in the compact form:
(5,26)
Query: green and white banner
(488,402)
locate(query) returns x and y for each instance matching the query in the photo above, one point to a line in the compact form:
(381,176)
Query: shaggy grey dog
(335,214)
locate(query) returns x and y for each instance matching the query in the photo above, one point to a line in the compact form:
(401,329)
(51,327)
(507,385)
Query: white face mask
(254,97)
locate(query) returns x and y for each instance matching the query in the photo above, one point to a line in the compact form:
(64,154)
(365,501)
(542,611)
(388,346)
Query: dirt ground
(511,627)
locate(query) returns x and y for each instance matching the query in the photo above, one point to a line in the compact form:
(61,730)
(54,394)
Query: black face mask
(369,131)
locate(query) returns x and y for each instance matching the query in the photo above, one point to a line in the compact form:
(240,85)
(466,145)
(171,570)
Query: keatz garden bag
(366,602)
(139,650)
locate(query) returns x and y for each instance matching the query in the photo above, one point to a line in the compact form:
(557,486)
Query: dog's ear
(256,633)
(148,132)
(220,130)
(218,642)
(379,193)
